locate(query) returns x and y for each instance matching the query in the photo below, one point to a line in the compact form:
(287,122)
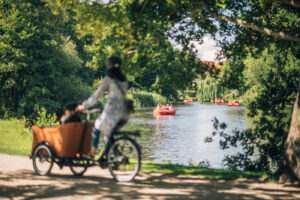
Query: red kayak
(234,104)
(164,112)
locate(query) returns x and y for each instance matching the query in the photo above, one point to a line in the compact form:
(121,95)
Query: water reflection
(180,138)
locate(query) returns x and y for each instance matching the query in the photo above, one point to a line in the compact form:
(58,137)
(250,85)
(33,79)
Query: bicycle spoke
(124,160)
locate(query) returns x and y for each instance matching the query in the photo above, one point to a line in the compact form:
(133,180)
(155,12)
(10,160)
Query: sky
(207,51)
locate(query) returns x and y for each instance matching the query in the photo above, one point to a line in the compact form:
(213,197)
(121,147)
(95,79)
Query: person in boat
(115,109)
(70,114)
(171,107)
(158,107)
(168,107)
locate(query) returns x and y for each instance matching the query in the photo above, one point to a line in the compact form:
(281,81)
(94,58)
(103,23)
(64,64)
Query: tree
(293,146)
(150,61)
(256,25)
(35,59)
(270,81)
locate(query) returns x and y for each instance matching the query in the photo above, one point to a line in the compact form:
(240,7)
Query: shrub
(44,119)
(146,99)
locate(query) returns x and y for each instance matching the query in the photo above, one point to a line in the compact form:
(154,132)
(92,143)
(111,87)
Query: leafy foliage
(45,119)
(209,89)
(147,99)
(274,87)
(38,63)
(51,52)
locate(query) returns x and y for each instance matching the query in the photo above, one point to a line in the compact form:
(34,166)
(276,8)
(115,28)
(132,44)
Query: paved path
(18,181)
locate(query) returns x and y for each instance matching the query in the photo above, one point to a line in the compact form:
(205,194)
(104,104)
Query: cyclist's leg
(95,140)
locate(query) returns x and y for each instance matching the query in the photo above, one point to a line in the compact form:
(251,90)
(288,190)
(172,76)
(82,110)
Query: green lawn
(154,167)
(15,139)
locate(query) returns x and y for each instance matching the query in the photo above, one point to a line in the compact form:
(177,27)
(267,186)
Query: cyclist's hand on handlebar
(80,108)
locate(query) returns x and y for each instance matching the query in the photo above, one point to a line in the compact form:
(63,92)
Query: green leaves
(39,62)
(45,119)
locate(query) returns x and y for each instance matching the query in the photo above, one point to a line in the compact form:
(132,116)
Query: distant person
(171,107)
(70,114)
(158,107)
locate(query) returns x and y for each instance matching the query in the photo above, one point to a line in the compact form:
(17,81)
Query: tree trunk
(293,143)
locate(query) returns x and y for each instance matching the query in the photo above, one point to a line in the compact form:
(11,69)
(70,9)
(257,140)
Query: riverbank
(17,140)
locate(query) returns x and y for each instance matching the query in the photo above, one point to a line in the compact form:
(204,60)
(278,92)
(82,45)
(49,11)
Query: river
(179,139)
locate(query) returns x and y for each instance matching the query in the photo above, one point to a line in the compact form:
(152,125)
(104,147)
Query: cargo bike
(66,145)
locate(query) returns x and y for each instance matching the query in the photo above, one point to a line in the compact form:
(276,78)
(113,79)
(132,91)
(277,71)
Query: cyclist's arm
(92,100)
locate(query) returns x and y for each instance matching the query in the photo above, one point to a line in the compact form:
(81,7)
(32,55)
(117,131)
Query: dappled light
(175,99)
(147,186)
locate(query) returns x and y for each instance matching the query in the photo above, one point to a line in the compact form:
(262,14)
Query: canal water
(179,139)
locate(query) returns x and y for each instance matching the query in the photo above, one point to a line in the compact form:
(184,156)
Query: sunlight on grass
(154,167)
(15,139)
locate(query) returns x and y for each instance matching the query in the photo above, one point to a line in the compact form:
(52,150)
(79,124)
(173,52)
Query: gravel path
(18,181)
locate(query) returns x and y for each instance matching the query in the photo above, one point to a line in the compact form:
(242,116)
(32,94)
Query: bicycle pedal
(103,163)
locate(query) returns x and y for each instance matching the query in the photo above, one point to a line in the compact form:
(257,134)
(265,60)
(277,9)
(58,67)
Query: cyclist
(115,109)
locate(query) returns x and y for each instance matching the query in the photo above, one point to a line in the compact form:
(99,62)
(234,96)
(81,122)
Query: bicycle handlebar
(89,112)
(92,111)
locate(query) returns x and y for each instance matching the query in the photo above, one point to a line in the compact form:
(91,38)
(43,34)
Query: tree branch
(144,6)
(292,3)
(267,31)
(255,27)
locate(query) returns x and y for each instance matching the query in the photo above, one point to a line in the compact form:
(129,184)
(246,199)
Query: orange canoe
(164,112)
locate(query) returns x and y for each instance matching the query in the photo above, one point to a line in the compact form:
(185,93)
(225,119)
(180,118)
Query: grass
(17,140)
(209,173)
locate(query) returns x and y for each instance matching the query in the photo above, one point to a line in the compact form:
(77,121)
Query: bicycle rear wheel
(124,159)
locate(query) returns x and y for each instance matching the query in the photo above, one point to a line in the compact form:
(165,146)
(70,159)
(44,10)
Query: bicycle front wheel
(42,159)
(124,159)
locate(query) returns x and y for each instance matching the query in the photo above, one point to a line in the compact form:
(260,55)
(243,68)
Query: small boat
(188,101)
(233,104)
(164,111)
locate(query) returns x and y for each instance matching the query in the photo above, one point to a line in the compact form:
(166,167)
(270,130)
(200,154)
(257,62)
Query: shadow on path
(25,184)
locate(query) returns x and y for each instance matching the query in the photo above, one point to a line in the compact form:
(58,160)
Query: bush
(44,119)
(146,99)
